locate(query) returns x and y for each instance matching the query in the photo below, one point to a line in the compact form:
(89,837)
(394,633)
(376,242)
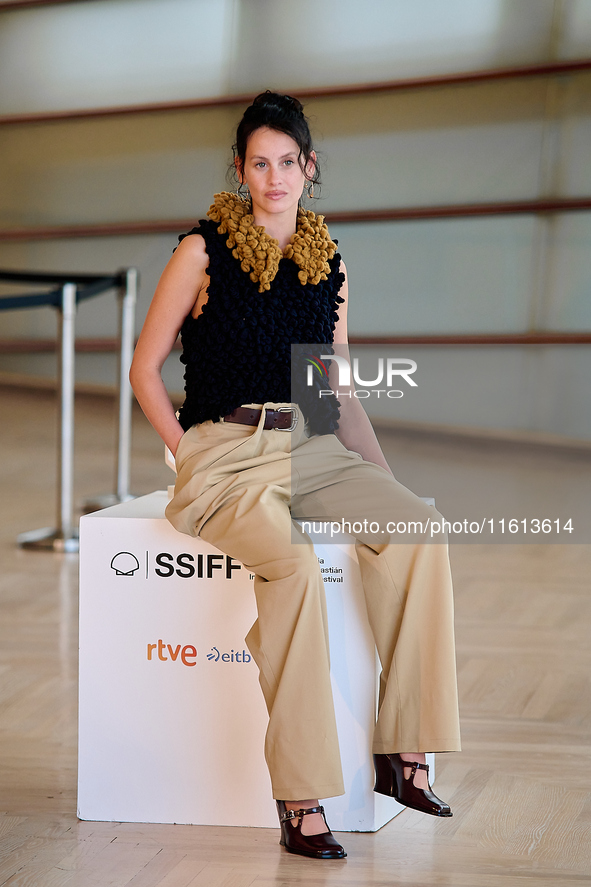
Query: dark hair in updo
(282,113)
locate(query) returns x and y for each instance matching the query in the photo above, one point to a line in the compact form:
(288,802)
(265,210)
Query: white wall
(515,139)
(116,52)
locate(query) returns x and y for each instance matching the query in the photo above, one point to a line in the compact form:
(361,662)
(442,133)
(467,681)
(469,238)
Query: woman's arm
(355,430)
(182,285)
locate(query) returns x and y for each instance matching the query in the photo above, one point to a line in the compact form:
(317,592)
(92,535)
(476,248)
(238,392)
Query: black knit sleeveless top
(238,350)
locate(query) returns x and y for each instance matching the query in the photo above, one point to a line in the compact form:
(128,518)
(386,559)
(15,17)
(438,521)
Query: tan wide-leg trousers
(238,487)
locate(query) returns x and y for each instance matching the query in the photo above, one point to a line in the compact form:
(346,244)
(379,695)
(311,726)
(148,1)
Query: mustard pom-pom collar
(259,254)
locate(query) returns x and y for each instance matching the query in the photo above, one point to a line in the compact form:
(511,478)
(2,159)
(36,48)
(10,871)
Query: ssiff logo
(184,565)
(125,563)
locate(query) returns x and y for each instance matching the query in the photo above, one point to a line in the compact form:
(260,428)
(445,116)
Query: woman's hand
(355,429)
(183,286)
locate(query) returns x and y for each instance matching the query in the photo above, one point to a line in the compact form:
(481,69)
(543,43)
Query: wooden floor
(520,790)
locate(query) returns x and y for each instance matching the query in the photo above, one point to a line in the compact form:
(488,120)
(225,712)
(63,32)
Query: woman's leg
(233,488)
(409,601)
(407,589)
(289,640)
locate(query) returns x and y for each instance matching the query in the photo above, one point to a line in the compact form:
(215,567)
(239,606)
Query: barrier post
(63,537)
(128,298)
(66,438)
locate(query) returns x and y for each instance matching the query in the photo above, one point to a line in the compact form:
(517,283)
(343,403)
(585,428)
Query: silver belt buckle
(294,420)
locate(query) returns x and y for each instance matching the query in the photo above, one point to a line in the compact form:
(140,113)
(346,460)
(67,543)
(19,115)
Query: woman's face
(272,171)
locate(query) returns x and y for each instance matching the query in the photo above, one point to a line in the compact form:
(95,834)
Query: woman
(256,277)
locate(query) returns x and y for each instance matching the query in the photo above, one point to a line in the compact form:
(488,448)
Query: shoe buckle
(294,418)
(297,814)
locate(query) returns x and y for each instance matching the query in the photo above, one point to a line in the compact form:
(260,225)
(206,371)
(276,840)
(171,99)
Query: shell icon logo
(125,563)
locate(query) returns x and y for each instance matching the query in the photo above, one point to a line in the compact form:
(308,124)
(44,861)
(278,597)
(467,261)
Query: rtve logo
(163,652)
(184,565)
(168,653)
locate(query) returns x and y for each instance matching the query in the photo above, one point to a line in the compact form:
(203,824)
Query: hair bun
(284,103)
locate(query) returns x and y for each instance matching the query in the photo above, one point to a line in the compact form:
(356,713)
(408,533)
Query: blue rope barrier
(33,301)
(95,285)
(99,287)
(58,277)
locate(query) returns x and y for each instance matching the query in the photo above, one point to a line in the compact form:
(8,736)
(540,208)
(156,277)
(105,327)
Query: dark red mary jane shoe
(322,846)
(390,781)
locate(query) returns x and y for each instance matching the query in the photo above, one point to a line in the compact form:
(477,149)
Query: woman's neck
(281,226)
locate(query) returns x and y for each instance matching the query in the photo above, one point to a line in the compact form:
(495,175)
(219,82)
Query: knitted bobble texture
(239,349)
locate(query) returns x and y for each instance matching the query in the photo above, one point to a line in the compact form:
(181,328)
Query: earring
(310,188)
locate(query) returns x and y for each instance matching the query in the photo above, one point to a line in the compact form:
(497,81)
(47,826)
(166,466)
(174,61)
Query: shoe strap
(414,765)
(297,814)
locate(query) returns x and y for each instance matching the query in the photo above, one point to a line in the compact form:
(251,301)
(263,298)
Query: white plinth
(172,718)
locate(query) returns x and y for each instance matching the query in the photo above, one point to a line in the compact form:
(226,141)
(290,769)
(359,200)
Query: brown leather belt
(280,420)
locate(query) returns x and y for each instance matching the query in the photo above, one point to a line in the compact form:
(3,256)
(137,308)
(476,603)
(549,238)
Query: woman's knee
(297,561)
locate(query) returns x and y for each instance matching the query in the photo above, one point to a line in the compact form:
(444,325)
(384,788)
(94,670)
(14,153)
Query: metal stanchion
(127,302)
(64,537)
